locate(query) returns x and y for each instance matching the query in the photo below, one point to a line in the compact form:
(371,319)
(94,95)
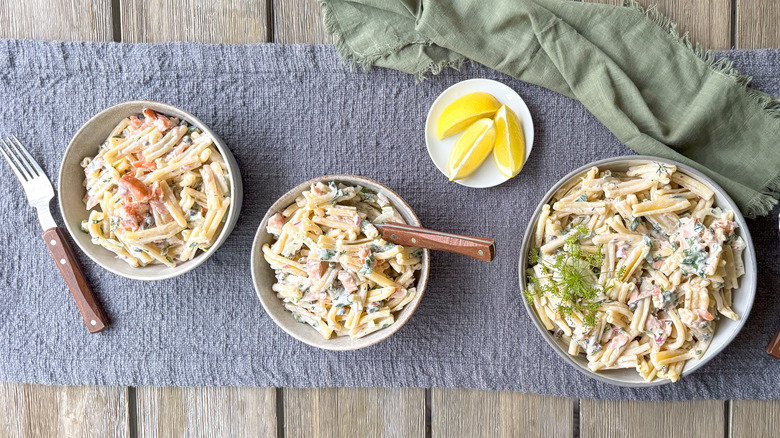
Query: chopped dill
(635,223)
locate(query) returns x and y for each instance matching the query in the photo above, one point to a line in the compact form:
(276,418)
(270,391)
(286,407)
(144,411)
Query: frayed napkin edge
(767,198)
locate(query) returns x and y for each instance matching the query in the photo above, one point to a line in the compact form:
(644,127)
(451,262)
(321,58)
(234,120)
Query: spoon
(482,248)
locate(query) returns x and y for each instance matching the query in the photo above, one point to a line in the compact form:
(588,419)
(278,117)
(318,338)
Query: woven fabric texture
(290,113)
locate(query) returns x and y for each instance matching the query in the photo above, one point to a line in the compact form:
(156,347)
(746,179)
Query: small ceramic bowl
(264,277)
(71,191)
(726,329)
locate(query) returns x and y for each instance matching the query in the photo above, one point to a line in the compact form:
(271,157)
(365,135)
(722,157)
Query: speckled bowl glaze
(726,330)
(71,191)
(264,277)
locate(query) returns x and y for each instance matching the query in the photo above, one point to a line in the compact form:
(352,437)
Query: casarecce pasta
(162,191)
(634,269)
(333,269)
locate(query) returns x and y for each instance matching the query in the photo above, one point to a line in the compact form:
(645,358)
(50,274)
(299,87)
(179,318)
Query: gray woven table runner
(290,113)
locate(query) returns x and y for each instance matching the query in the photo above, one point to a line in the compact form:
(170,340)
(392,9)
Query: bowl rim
(236,187)
(744,233)
(270,299)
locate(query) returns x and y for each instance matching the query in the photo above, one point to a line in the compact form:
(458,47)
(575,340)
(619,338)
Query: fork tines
(22,163)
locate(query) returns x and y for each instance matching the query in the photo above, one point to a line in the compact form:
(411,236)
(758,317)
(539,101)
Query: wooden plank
(621,418)
(757,24)
(206,21)
(707,21)
(39,410)
(354,412)
(56,20)
(467,412)
(219,411)
(299,21)
(73,411)
(754,418)
(343,412)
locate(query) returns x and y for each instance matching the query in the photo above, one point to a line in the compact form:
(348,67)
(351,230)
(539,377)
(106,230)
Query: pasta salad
(333,269)
(158,191)
(634,269)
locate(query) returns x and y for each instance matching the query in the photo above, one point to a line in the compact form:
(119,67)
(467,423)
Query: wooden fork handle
(66,261)
(482,248)
(774,347)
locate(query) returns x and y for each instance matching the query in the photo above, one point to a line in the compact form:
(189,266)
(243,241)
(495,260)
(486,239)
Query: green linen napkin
(655,91)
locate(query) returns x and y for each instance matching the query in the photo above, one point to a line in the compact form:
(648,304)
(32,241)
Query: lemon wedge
(471,148)
(509,151)
(462,113)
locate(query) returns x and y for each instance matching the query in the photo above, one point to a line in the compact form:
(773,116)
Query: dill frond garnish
(662,169)
(573,278)
(533,256)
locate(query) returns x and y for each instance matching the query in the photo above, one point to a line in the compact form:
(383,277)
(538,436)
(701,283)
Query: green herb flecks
(649,243)
(368,265)
(670,299)
(635,223)
(327,254)
(337,192)
(341,297)
(695,260)
(367,194)
(381,248)
(302,288)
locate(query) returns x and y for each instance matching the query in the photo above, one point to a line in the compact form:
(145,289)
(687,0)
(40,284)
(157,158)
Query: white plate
(487,175)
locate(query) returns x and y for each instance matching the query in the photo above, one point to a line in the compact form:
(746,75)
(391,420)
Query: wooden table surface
(36,410)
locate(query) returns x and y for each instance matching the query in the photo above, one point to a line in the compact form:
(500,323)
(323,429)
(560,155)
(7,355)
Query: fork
(39,192)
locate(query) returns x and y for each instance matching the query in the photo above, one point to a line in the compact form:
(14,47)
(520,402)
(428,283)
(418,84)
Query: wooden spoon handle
(774,347)
(482,248)
(66,261)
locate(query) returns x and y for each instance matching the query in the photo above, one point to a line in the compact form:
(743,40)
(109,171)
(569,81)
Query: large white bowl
(71,191)
(264,277)
(726,329)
